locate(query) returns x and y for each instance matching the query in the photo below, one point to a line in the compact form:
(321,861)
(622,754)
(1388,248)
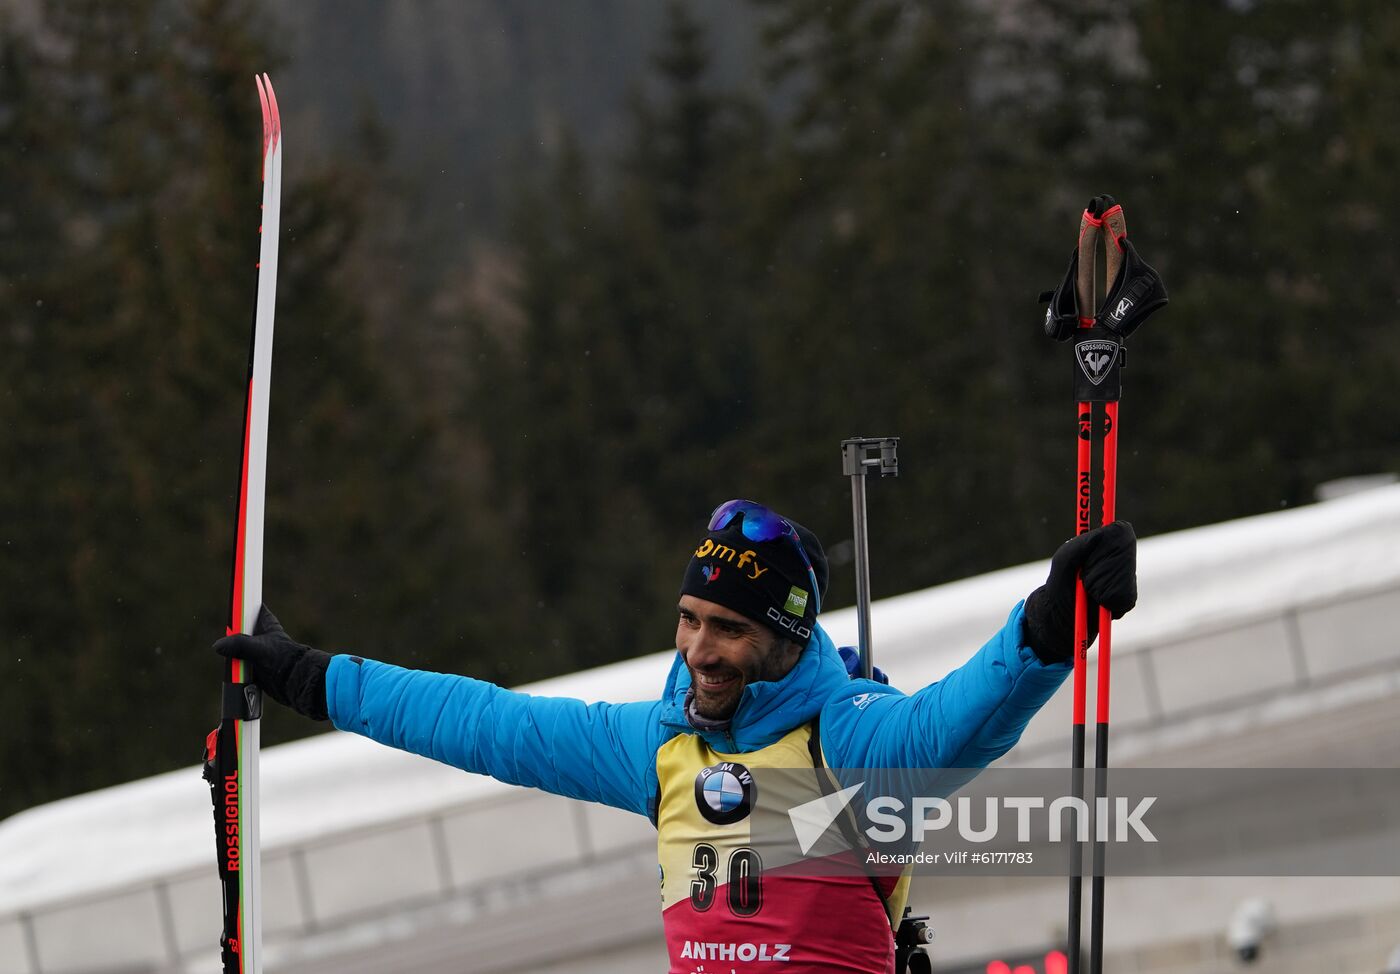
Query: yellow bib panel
(723,913)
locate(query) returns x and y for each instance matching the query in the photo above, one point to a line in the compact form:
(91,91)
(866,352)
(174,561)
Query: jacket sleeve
(968,719)
(601,752)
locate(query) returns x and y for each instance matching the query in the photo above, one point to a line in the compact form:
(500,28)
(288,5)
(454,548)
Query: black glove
(290,673)
(1107,558)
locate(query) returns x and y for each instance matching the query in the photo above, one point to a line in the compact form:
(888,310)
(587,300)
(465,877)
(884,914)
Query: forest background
(558,277)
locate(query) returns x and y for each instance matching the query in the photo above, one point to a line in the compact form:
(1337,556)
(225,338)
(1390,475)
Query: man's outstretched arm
(600,752)
(976,713)
(966,720)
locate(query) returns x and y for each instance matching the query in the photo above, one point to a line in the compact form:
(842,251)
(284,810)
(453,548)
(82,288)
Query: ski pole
(1098,356)
(1090,232)
(1116,227)
(1134,291)
(231,750)
(858,456)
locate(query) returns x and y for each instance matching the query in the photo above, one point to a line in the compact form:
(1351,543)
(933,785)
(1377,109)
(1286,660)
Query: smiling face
(725,652)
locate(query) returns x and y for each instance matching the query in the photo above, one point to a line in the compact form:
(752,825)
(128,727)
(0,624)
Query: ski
(231,750)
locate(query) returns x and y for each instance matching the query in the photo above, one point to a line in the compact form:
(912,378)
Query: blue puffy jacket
(605,752)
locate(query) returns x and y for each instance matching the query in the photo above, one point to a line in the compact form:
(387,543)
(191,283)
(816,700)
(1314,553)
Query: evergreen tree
(620,409)
(132,153)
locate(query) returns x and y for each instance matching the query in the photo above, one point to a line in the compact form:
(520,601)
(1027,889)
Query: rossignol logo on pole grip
(1098,362)
(1096,358)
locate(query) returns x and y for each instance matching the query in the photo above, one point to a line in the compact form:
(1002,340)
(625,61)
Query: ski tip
(266,120)
(276,113)
(266,111)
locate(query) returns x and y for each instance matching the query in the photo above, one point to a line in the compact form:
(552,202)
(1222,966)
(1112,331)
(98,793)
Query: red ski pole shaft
(1115,223)
(1090,232)
(1101,696)
(1083,495)
(1110,505)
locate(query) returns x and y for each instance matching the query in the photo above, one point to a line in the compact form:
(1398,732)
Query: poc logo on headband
(747,560)
(795,626)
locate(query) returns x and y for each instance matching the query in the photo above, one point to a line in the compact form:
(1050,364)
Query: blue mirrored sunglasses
(761,524)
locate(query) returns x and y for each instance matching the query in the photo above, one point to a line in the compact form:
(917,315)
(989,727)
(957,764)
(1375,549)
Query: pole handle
(1090,233)
(1115,227)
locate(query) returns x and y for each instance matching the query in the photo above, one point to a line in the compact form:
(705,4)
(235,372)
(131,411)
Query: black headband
(766,581)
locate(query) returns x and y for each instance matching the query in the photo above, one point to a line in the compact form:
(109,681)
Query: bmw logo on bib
(724,793)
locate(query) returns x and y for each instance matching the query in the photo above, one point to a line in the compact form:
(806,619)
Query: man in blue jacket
(756,684)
